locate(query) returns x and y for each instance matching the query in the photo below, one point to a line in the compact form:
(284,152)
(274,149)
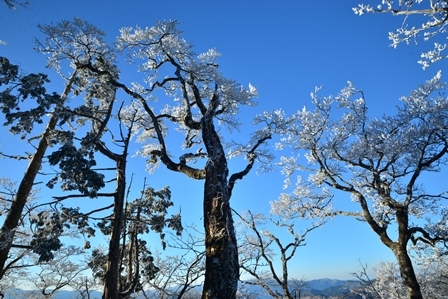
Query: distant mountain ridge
(324,283)
(332,287)
(325,287)
(62,294)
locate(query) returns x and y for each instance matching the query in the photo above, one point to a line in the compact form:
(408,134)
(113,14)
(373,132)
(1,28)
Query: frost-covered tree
(380,162)
(433,272)
(261,251)
(423,19)
(18,88)
(71,46)
(25,103)
(201,99)
(386,282)
(181,274)
(37,252)
(136,265)
(197,98)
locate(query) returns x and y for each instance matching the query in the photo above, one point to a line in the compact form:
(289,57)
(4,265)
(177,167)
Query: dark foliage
(29,88)
(48,229)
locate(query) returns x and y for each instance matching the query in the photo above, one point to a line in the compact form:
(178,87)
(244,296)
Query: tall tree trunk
(401,253)
(221,262)
(407,273)
(112,271)
(26,185)
(24,190)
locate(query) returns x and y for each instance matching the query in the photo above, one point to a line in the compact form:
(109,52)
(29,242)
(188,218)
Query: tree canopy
(378,161)
(176,110)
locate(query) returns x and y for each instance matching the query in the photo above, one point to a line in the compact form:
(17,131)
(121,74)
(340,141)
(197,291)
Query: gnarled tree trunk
(221,263)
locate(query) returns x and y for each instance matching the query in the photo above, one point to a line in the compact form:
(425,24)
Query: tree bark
(401,253)
(221,262)
(26,185)
(23,192)
(408,274)
(399,247)
(112,271)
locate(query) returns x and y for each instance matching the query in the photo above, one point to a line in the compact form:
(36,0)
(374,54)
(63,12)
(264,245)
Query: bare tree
(60,272)
(260,250)
(85,287)
(180,275)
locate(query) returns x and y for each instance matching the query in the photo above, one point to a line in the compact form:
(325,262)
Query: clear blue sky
(285,49)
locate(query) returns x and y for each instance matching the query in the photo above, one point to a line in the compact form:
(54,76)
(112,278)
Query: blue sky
(285,49)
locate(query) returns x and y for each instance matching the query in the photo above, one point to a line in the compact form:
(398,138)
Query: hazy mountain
(325,283)
(325,287)
(332,287)
(63,294)
(315,287)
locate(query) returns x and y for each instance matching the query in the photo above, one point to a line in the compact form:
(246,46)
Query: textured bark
(221,263)
(399,247)
(404,261)
(408,274)
(111,286)
(222,268)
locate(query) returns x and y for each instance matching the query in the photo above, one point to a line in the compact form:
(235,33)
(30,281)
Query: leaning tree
(380,162)
(102,131)
(17,89)
(26,104)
